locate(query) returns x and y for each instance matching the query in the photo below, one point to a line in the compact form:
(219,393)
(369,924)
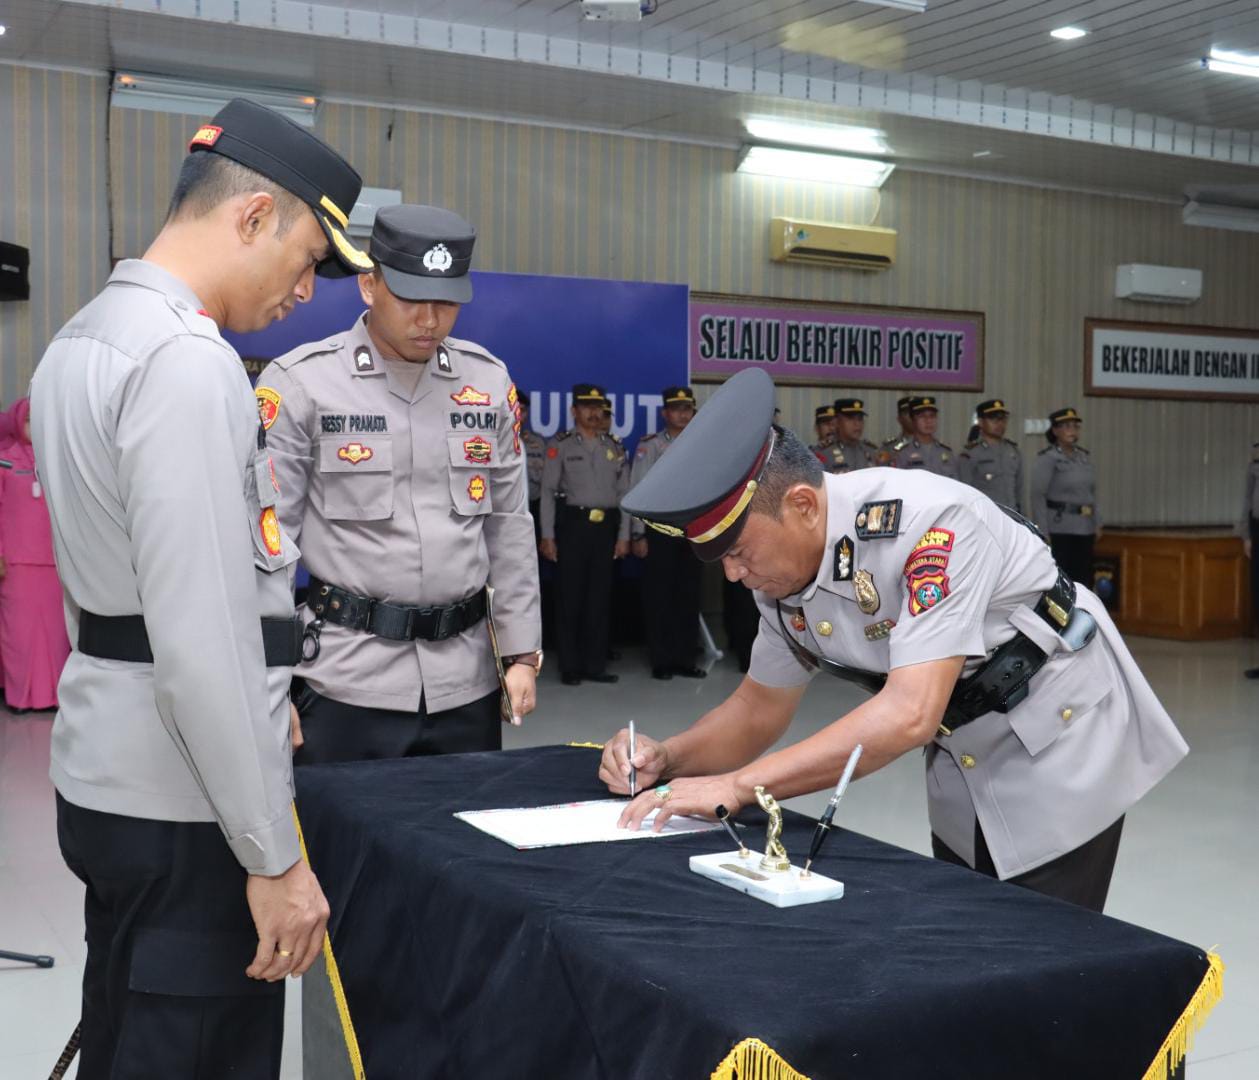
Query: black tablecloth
(464,958)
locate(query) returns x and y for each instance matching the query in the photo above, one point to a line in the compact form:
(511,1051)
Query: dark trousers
(586,550)
(169,936)
(335,731)
(1081,876)
(741,619)
(671,578)
(1074,555)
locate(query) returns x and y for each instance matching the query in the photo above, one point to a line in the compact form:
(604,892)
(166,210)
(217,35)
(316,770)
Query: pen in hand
(824,822)
(633,747)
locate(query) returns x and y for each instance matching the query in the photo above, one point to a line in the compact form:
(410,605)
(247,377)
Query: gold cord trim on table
(754,1060)
(587,745)
(334,978)
(1179,1040)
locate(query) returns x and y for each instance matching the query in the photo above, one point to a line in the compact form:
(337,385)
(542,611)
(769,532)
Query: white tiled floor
(1187,866)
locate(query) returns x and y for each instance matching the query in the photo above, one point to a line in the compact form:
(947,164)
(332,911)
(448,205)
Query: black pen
(723,815)
(824,822)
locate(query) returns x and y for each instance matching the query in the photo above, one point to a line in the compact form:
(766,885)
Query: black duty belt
(596,515)
(1001,682)
(124,637)
(1083,509)
(392,621)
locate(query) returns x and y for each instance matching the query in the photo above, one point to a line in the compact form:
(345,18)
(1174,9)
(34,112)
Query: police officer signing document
(1040,731)
(171,750)
(402,476)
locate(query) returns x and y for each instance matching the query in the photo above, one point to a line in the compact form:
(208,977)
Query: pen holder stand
(784,888)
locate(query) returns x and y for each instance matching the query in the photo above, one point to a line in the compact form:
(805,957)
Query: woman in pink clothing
(33,642)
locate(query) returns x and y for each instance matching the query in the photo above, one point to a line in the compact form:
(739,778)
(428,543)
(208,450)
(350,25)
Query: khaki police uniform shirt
(934,457)
(842,457)
(950,574)
(1065,478)
(1250,497)
(406,484)
(147,437)
(996,469)
(589,473)
(535,459)
(650,449)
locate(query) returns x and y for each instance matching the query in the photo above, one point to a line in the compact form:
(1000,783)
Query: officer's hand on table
(640,547)
(295,729)
(522,689)
(547,548)
(651,759)
(621,549)
(692,796)
(290,915)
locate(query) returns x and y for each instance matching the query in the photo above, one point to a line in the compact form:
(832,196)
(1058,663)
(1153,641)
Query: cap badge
(470,395)
(437,259)
(354,453)
(363,359)
(867,594)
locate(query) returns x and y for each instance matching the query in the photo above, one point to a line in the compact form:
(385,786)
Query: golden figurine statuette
(775,854)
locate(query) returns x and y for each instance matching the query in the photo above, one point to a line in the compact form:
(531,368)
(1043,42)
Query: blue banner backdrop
(551,332)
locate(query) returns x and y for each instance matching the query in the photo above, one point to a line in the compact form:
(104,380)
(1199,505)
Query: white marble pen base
(785,888)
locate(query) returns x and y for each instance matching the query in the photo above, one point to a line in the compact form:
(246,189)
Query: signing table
(463,958)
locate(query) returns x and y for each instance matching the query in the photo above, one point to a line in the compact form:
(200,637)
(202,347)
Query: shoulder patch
(970,446)
(878,520)
(268,405)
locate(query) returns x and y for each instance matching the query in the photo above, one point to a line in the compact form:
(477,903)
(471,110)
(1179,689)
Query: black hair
(206,180)
(790,463)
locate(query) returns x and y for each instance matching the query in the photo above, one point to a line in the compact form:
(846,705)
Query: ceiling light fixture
(819,168)
(917,6)
(1232,63)
(159,93)
(1067,33)
(846,138)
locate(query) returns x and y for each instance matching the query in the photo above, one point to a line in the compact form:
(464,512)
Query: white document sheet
(590,822)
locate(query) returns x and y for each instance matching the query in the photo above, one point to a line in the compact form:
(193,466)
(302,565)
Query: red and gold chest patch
(926,570)
(477,450)
(268,406)
(469,395)
(269,528)
(354,453)
(552,451)
(476,488)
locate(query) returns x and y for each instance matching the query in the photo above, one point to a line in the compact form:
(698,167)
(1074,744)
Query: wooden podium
(1187,584)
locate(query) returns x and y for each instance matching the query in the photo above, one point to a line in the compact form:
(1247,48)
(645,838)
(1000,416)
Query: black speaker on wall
(15,272)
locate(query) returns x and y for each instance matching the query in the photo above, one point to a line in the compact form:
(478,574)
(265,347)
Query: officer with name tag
(402,476)
(893,444)
(854,452)
(1064,495)
(923,451)
(171,750)
(991,462)
(1248,528)
(584,531)
(824,423)
(1039,729)
(671,574)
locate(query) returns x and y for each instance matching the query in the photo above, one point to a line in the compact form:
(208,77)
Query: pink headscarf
(18,413)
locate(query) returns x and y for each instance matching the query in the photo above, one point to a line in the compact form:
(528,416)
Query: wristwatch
(532,659)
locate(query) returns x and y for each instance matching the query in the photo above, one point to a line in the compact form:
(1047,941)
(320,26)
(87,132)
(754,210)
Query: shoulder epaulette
(1046,449)
(970,445)
(1082,449)
(868,444)
(616,439)
(305,352)
(564,435)
(1011,442)
(900,444)
(944,446)
(471,348)
(646,438)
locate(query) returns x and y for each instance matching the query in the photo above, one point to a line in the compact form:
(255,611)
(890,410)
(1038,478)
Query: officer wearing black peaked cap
(950,610)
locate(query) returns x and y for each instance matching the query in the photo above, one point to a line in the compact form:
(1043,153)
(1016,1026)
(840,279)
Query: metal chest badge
(867,594)
(843,559)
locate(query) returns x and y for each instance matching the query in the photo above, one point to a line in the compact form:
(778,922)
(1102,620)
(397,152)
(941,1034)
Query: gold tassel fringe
(754,1060)
(334,977)
(1180,1039)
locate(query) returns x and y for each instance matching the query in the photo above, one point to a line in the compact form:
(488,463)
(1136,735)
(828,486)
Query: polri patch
(476,488)
(879,520)
(268,406)
(470,395)
(477,450)
(843,559)
(926,589)
(269,529)
(355,452)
